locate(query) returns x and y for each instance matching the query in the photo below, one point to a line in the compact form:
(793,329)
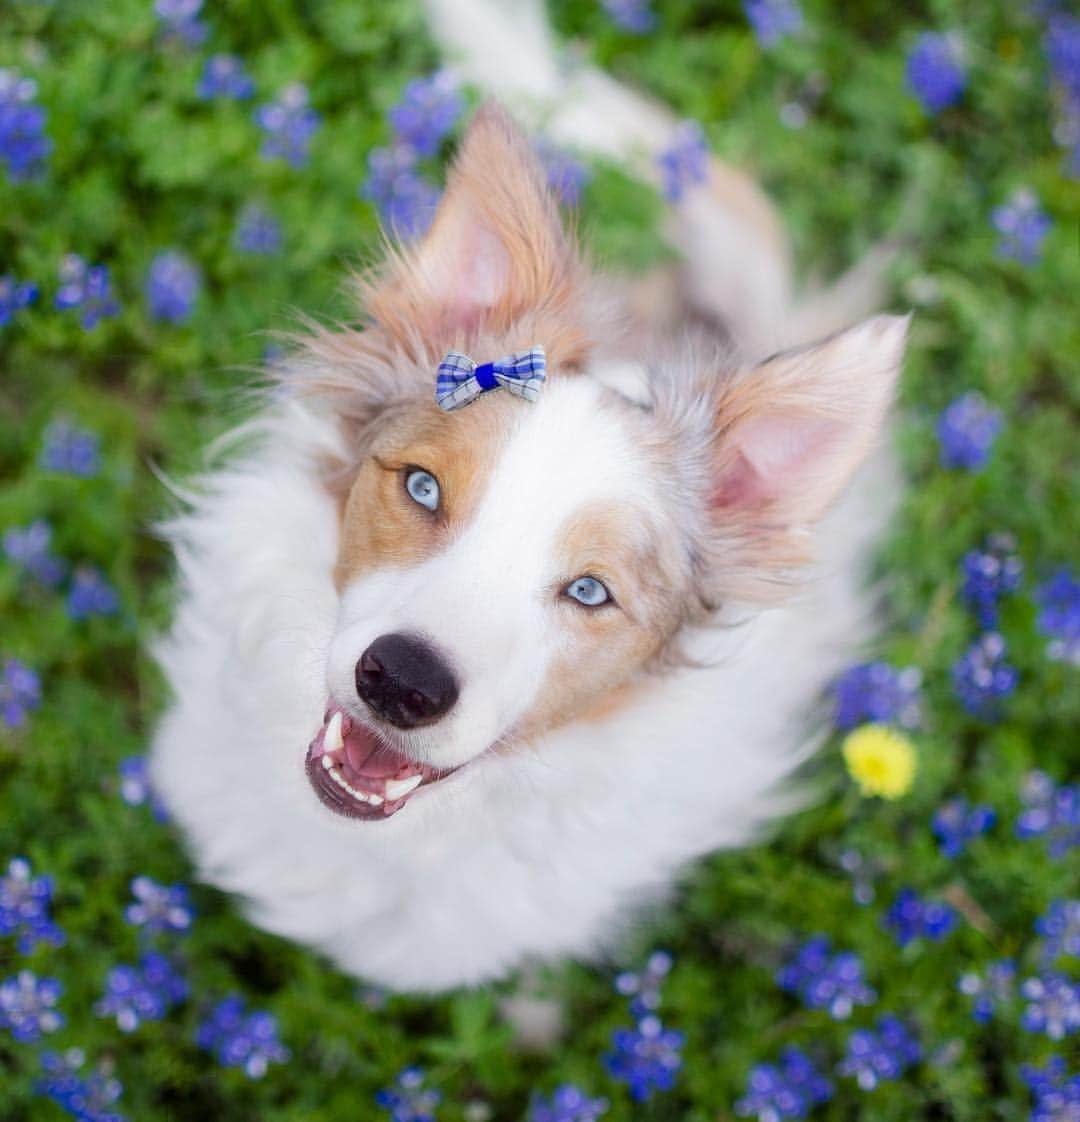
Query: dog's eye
(588,591)
(423,488)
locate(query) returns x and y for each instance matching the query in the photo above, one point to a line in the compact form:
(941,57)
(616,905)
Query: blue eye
(588,591)
(423,488)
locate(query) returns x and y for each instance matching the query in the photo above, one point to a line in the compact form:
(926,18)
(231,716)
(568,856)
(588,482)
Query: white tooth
(398,788)
(332,741)
(327,763)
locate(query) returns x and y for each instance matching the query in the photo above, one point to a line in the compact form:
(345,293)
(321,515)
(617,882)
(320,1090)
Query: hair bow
(461,381)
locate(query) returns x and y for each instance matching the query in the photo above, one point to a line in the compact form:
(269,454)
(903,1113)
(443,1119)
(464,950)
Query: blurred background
(178,181)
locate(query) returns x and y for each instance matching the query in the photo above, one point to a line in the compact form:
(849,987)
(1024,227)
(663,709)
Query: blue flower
(991,991)
(88,1099)
(28,549)
(1060,927)
(990,574)
(911,917)
(20,692)
(159,907)
(685,162)
(172,286)
(86,287)
(873,1057)
(14,296)
(241,1039)
(1057,1098)
(257,231)
(982,678)
(1053,1005)
(91,594)
(288,123)
(1023,226)
(143,993)
(1059,616)
(428,110)
(1062,42)
(27,1006)
(409,1100)
(567,1104)
(24,907)
(70,450)
(135,788)
(224,76)
(565,175)
(773,20)
(957,822)
(967,429)
(180,20)
(644,988)
(23,143)
(1050,812)
(405,200)
(646,1058)
(789,1090)
(935,70)
(877,693)
(635,16)
(823,980)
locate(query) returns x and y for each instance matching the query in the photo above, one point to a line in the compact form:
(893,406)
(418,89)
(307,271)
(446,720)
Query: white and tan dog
(454,691)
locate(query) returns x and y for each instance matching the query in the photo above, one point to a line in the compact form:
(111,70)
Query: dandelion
(880,760)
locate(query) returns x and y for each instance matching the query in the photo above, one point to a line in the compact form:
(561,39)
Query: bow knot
(461,381)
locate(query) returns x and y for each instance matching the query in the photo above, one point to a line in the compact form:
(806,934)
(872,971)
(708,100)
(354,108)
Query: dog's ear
(495,249)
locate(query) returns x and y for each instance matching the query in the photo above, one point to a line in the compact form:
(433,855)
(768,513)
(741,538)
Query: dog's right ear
(496,249)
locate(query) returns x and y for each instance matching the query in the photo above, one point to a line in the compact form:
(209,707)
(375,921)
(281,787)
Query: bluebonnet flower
(957,822)
(257,231)
(429,108)
(823,980)
(91,594)
(224,76)
(70,450)
(873,1057)
(790,1089)
(773,20)
(1023,226)
(1053,1005)
(24,907)
(1059,616)
(409,1100)
(1062,42)
(28,548)
(172,286)
(982,678)
(241,1039)
(405,200)
(24,146)
(1057,1097)
(20,692)
(88,1099)
(1060,927)
(935,70)
(180,20)
(862,872)
(14,296)
(86,287)
(967,429)
(644,988)
(567,1104)
(159,907)
(911,917)
(565,174)
(135,994)
(135,788)
(685,162)
(1051,812)
(991,991)
(877,693)
(646,1058)
(635,16)
(27,1006)
(989,574)
(289,123)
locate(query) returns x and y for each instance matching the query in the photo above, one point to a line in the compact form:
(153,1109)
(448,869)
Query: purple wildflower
(990,991)
(70,450)
(823,980)
(644,988)
(790,1089)
(1053,1005)
(135,788)
(773,20)
(24,907)
(1023,226)
(405,200)
(24,146)
(935,70)
(28,549)
(1059,616)
(912,917)
(257,231)
(1062,42)
(172,286)
(27,1006)
(989,574)
(241,1039)
(685,162)
(88,1099)
(159,907)
(966,431)
(1060,928)
(20,692)
(224,76)
(136,994)
(409,1100)
(86,287)
(862,872)
(1057,1097)
(289,123)
(635,16)
(91,594)
(982,678)
(647,1058)
(873,1057)
(957,822)
(877,693)
(429,108)
(567,1104)
(565,175)
(1051,812)
(14,296)
(180,20)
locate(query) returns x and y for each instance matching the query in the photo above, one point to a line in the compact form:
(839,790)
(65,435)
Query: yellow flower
(880,760)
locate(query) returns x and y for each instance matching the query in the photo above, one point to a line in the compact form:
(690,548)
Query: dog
(459,689)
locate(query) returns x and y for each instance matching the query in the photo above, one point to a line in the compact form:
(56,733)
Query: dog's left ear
(496,248)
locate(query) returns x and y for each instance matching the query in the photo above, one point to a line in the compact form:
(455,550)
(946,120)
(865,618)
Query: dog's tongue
(367,757)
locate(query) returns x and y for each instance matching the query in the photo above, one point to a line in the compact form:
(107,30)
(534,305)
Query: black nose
(405,681)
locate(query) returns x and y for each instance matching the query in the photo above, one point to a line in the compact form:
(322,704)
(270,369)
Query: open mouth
(357,774)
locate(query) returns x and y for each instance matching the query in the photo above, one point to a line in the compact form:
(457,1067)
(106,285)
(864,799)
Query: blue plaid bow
(461,381)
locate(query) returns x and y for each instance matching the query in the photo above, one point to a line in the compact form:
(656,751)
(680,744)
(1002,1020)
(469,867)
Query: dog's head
(511,566)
